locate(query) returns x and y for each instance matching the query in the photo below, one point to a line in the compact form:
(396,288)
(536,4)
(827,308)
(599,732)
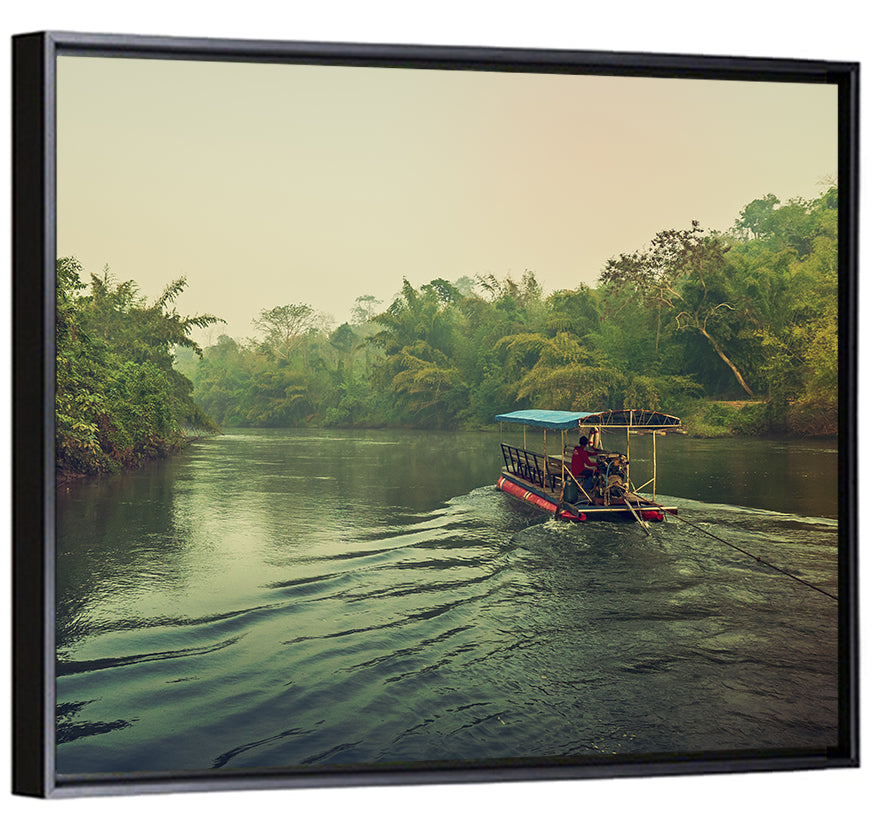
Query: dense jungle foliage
(735,332)
(118,398)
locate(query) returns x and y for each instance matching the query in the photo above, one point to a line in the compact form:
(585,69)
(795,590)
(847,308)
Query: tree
(344,341)
(548,369)
(682,270)
(420,337)
(576,312)
(521,301)
(364,309)
(756,216)
(277,397)
(283,327)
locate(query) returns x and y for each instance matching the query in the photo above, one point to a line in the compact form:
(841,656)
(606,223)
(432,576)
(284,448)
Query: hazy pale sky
(269,184)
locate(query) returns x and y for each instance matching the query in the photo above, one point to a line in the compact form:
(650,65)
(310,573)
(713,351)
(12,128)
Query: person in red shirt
(583,464)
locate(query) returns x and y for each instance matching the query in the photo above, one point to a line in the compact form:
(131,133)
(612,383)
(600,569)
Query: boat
(547,482)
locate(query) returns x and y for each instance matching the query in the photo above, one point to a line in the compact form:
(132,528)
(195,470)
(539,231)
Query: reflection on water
(296,599)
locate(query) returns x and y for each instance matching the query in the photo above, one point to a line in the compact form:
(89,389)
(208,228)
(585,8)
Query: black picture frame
(34,254)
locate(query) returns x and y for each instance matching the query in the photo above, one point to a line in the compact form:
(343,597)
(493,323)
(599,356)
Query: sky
(268,184)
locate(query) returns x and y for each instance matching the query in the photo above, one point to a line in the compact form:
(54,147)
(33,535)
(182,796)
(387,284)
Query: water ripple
(67,667)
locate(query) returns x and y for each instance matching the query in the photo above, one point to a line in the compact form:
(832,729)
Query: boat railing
(532,466)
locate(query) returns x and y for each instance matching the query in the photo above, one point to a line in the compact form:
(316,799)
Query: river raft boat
(546,480)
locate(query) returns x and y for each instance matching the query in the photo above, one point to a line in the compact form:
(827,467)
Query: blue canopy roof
(561,419)
(545,418)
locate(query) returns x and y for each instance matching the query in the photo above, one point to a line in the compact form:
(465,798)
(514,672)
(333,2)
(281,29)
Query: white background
(837,30)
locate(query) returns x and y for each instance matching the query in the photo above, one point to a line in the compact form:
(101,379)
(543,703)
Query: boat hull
(580,511)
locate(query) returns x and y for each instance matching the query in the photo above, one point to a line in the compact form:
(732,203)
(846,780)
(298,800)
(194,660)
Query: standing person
(583,463)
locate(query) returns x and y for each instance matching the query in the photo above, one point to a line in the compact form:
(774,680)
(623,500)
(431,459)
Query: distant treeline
(734,332)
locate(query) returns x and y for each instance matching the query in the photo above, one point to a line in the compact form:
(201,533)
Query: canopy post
(654,456)
(563,457)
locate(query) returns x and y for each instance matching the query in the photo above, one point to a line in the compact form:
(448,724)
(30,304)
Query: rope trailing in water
(757,558)
(636,517)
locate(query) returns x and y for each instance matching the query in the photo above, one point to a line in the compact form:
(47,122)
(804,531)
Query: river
(311,600)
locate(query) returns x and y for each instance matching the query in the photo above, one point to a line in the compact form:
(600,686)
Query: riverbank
(65,475)
(725,419)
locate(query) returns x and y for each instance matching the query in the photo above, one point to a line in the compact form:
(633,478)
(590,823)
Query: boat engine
(611,482)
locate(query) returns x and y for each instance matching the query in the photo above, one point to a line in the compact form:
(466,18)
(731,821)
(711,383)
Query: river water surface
(306,599)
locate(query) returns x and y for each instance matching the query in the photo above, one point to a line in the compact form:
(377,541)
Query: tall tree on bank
(682,271)
(786,265)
